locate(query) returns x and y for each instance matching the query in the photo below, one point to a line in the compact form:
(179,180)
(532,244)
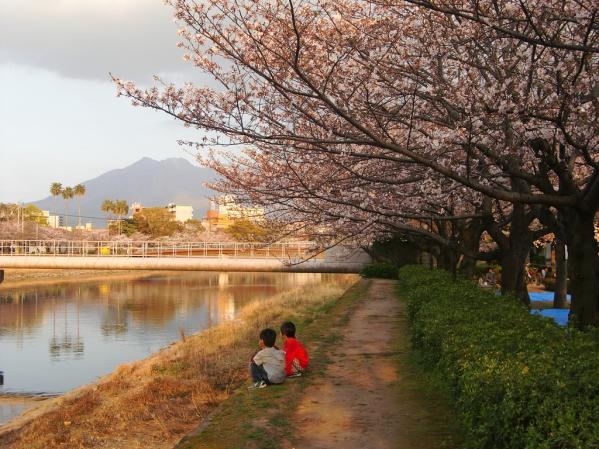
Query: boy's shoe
(296,374)
(256,385)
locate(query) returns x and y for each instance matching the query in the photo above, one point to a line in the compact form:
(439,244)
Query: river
(54,337)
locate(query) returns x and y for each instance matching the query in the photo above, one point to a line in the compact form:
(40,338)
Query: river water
(55,337)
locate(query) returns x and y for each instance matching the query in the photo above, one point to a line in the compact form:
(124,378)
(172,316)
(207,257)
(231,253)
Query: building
(54,221)
(57,222)
(84,227)
(213,221)
(135,208)
(228,207)
(181,213)
(224,211)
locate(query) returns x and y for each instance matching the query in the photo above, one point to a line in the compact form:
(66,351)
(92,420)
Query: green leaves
(519,381)
(380,270)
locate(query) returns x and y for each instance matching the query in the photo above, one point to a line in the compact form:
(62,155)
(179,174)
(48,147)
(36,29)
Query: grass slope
(260,419)
(263,419)
(152,403)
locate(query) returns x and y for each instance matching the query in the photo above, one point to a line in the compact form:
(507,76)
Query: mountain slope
(150,182)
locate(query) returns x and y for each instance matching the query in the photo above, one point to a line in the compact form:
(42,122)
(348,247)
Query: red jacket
(294,350)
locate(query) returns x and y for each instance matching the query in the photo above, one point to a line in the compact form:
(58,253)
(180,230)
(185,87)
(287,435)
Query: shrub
(549,283)
(380,270)
(518,381)
(481,268)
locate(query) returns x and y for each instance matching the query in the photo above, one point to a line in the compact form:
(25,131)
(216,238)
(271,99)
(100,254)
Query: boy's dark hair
(288,329)
(268,336)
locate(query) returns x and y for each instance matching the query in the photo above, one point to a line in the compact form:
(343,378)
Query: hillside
(150,182)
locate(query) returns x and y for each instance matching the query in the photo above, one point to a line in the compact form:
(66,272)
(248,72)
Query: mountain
(147,181)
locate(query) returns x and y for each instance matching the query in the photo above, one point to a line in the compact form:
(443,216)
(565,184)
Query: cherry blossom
(360,117)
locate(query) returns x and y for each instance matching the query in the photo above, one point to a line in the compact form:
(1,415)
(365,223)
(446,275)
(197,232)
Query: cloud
(89,38)
(70,130)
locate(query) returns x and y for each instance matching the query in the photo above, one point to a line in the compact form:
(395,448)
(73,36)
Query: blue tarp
(560,316)
(543,296)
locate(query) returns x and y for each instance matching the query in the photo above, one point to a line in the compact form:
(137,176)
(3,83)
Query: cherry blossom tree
(498,97)
(367,198)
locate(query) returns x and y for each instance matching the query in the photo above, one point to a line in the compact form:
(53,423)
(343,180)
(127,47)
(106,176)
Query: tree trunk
(447,260)
(443,258)
(467,266)
(514,252)
(78,212)
(583,264)
(470,242)
(513,275)
(560,296)
(513,248)
(453,261)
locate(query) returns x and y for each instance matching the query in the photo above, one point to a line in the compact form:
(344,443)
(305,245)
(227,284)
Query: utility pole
(19,213)
(22,219)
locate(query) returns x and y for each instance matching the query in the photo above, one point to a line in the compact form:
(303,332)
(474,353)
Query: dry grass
(154,402)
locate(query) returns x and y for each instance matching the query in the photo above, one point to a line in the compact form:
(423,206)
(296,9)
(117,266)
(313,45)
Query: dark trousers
(258,373)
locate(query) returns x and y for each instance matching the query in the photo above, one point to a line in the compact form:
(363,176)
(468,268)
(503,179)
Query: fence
(43,248)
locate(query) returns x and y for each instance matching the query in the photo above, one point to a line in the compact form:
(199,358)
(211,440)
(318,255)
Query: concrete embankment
(183,264)
(20,277)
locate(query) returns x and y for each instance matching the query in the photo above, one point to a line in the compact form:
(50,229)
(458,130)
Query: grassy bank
(272,418)
(154,402)
(249,420)
(518,381)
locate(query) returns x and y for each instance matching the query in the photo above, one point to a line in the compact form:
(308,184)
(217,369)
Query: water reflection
(56,337)
(11,407)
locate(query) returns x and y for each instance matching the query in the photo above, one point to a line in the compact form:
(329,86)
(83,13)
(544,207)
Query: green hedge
(549,283)
(380,270)
(518,381)
(481,268)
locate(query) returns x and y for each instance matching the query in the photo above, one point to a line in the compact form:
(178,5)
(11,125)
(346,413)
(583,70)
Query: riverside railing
(41,248)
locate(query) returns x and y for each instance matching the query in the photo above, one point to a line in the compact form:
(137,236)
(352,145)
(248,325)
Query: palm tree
(121,208)
(108,208)
(79,190)
(67,194)
(55,190)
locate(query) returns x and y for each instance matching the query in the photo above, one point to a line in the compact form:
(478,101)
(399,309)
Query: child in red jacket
(296,356)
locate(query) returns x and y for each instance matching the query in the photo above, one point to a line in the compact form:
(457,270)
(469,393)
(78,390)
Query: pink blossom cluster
(358,119)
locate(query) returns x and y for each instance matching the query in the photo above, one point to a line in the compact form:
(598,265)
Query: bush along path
(518,381)
(362,390)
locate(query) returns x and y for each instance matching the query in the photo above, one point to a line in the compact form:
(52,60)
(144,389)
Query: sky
(60,119)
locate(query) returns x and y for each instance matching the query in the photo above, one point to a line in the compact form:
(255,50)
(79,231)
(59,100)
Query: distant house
(227,206)
(85,227)
(135,208)
(180,212)
(54,221)
(224,211)
(214,221)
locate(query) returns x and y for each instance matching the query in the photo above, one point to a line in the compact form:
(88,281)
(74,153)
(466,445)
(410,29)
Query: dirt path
(369,396)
